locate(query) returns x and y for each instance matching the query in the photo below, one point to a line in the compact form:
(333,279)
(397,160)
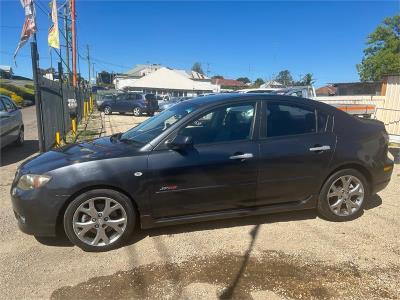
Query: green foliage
(23,92)
(217,77)
(245,80)
(29,86)
(382,54)
(308,79)
(258,82)
(16,98)
(197,68)
(284,77)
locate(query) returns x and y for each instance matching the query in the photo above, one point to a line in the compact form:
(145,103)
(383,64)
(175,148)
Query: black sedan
(207,158)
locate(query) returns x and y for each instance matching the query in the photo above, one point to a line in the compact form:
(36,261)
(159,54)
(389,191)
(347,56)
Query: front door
(295,153)
(219,172)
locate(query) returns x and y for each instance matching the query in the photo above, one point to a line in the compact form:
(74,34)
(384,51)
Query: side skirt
(147,221)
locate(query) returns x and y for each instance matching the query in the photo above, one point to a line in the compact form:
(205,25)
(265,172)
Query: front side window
(153,127)
(222,124)
(289,119)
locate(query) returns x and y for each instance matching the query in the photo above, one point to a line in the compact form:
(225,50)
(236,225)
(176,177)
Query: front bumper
(36,211)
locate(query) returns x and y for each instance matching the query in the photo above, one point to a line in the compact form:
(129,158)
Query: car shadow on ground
(12,154)
(140,234)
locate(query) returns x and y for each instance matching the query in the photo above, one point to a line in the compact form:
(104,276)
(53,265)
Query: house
(228,84)
(165,81)
(6,72)
(350,89)
(272,84)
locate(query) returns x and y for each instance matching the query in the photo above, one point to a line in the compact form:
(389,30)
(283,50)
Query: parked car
(11,125)
(101,98)
(135,103)
(167,104)
(214,157)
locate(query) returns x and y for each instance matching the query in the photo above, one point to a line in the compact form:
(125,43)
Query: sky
(232,39)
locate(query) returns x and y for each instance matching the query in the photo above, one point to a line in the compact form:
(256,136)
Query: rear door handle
(242,156)
(320,148)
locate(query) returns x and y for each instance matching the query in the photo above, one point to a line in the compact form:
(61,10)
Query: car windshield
(154,126)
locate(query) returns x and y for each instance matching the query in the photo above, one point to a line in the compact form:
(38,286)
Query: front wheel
(137,111)
(20,139)
(343,196)
(107,110)
(99,220)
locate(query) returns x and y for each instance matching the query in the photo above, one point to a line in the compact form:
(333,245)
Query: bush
(17,99)
(29,86)
(24,92)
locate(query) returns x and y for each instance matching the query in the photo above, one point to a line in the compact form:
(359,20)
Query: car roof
(228,97)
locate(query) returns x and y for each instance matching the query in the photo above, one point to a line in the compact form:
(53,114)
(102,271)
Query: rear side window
(2,106)
(289,119)
(150,97)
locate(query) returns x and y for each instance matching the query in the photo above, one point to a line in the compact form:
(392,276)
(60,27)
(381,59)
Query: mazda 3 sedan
(207,158)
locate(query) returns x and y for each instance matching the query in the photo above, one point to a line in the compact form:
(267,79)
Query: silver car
(11,125)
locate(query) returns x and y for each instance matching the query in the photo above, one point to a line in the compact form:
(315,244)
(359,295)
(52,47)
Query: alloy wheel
(99,221)
(346,195)
(136,111)
(107,110)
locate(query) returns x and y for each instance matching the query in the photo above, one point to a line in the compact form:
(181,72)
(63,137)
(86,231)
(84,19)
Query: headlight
(32,181)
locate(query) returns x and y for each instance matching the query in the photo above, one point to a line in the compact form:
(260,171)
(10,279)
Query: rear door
(295,150)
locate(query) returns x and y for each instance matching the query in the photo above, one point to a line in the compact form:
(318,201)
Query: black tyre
(137,111)
(21,137)
(107,110)
(99,220)
(343,196)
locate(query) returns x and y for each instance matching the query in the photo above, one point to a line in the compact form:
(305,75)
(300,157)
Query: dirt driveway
(283,256)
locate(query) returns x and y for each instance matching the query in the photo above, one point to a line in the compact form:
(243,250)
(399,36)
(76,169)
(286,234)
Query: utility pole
(95,82)
(88,58)
(73,30)
(66,30)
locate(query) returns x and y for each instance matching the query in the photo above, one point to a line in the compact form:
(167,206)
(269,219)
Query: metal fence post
(38,96)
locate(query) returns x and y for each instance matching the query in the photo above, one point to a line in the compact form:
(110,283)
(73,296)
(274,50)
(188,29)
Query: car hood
(102,148)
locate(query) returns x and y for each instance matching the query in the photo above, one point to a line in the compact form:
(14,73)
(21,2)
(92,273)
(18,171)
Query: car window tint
(2,106)
(227,123)
(322,121)
(8,104)
(289,120)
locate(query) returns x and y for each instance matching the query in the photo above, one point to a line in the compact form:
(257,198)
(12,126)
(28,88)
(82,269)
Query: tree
(258,82)
(382,54)
(217,77)
(245,80)
(285,78)
(308,79)
(197,68)
(104,77)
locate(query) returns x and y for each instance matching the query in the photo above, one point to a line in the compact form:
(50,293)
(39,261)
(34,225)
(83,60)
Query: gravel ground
(283,256)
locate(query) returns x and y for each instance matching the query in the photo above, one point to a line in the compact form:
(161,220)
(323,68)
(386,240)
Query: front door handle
(320,148)
(242,156)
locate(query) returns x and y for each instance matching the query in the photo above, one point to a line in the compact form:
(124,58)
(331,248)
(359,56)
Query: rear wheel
(343,196)
(21,138)
(107,110)
(99,220)
(137,111)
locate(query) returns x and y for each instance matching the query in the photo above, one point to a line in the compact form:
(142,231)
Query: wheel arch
(60,216)
(356,166)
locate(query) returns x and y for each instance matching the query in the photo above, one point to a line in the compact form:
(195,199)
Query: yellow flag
(54,38)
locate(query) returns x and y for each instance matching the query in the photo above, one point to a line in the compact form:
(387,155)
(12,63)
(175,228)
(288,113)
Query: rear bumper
(382,181)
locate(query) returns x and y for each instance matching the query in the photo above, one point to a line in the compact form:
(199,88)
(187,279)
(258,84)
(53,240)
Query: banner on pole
(29,27)
(54,38)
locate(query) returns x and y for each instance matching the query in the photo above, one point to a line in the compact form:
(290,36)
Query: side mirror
(179,142)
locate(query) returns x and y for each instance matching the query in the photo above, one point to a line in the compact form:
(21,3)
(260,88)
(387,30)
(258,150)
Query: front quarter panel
(122,173)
